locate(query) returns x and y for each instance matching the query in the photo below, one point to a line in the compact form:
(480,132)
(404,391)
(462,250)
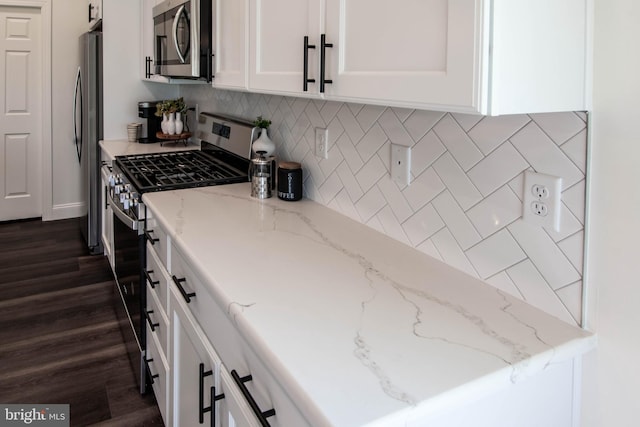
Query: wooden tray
(177,137)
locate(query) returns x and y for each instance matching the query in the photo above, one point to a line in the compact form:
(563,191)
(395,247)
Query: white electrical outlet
(401,164)
(322,143)
(541,203)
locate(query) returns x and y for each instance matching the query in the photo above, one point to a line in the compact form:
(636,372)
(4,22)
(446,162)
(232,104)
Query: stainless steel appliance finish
(183,34)
(217,163)
(87,118)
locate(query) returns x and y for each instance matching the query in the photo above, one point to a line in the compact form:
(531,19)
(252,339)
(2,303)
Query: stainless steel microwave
(183,37)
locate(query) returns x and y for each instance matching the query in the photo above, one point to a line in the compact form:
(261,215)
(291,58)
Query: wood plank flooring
(59,337)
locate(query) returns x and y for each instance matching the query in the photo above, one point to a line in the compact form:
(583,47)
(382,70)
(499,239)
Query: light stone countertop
(319,295)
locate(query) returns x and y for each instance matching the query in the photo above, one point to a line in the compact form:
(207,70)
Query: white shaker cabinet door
(405,51)
(195,370)
(277,31)
(191,349)
(230,44)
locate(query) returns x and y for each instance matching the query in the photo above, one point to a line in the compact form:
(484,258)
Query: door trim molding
(46,131)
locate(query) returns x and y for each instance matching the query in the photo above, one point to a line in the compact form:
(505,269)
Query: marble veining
(398,318)
(518,352)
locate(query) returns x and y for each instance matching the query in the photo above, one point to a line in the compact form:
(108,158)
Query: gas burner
(183,169)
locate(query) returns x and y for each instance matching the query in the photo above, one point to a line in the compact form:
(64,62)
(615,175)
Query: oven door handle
(131,223)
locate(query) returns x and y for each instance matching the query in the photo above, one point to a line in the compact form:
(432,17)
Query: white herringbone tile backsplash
(464,203)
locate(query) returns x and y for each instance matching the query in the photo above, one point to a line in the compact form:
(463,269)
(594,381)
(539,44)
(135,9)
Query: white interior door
(20,113)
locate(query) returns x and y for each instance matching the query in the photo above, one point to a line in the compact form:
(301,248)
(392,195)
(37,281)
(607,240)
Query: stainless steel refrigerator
(87,116)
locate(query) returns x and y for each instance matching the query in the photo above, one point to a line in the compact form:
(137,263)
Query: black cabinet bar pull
(150,238)
(262,416)
(210,58)
(152,283)
(214,399)
(305,75)
(146,362)
(201,409)
(323,61)
(90,9)
(149,321)
(187,296)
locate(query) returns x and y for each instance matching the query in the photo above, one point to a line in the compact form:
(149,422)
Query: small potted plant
(263,144)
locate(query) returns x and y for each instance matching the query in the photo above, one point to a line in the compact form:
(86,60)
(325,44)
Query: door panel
(276,54)
(20,113)
(426,54)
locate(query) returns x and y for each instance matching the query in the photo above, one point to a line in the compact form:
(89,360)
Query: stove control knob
(127,188)
(123,197)
(125,204)
(117,188)
(112,180)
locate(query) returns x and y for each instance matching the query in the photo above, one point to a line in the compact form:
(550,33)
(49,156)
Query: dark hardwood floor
(59,337)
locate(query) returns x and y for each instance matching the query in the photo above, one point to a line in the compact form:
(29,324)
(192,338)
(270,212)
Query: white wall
(68,23)
(122,54)
(612,380)
(123,88)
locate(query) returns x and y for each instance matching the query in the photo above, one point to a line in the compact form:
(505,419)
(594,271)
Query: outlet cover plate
(322,143)
(541,203)
(401,164)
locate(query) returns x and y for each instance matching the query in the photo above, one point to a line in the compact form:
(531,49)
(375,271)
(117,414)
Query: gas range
(182,169)
(224,158)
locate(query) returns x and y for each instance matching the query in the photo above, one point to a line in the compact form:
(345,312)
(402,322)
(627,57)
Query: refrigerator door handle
(78,92)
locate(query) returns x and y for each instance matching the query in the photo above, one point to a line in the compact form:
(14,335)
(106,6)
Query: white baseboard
(64,211)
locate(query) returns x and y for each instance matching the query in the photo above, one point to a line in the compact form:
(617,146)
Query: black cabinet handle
(262,416)
(152,283)
(90,9)
(187,296)
(147,67)
(201,409)
(152,376)
(210,57)
(149,321)
(150,238)
(323,46)
(305,75)
(214,399)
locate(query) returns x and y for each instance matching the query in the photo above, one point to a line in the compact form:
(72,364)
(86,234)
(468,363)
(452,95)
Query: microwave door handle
(175,33)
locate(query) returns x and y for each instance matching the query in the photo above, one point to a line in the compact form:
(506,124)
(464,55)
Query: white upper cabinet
(230,55)
(148,54)
(474,56)
(405,51)
(276,34)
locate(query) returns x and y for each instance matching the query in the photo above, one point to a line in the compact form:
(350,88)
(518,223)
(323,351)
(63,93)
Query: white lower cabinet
(202,388)
(159,371)
(203,333)
(205,372)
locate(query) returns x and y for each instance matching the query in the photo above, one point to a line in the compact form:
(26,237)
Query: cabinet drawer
(158,239)
(158,280)
(157,365)
(234,351)
(157,322)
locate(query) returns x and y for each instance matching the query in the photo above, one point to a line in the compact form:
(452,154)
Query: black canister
(289,181)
